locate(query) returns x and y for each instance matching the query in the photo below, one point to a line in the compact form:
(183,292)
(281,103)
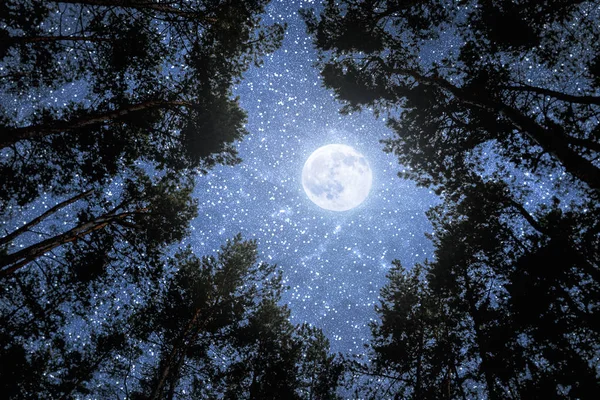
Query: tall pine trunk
(10,136)
(13,262)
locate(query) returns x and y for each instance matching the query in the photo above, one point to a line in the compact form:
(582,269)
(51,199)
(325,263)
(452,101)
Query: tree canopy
(214,329)
(505,307)
(522,88)
(111,109)
(153,107)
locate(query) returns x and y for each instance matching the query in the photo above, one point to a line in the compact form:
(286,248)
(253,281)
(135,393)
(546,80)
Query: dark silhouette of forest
(99,300)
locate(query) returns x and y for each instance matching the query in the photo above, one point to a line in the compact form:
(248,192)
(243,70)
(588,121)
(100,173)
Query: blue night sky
(334,262)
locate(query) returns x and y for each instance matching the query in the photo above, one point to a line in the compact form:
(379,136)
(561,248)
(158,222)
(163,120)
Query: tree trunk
(479,337)
(19,259)
(8,238)
(11,136)
(166,371)
(419,381)
(550,141)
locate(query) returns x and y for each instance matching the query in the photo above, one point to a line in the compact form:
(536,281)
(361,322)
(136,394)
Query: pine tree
(152,81)
(477,98)
(214,328)
(518,309)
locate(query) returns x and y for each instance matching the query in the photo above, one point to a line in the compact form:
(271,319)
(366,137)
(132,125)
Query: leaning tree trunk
(10,136)
(16,233)
(177,352)
(554,143)
(12,262)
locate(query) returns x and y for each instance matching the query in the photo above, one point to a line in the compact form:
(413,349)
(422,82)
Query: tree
(513,311)
(321,373)
(155,100)
(416,345)
(476,100)
(145,217)
(57,331)
(213,329)
(154,86)
(223,334)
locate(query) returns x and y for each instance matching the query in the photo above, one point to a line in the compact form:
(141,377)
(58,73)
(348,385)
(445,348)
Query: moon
(336,177)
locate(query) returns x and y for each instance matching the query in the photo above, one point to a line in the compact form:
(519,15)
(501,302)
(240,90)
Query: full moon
(336,177)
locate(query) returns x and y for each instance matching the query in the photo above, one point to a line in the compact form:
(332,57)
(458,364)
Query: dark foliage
(506,308)
(214,329)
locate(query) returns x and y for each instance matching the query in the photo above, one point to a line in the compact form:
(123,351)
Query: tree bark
(11,136)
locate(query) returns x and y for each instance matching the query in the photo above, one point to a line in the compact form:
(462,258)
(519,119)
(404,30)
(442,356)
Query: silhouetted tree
(56,331)
(512,296)
(222,333)
(147,215)
(517,82)
(213,328)
(416,345)
(153,85)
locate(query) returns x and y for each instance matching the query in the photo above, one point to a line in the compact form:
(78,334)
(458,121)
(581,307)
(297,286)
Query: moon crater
(336,177)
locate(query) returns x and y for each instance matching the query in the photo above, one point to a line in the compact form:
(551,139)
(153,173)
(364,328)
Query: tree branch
(557,95)
(35,39)
(142,5)
(20,258)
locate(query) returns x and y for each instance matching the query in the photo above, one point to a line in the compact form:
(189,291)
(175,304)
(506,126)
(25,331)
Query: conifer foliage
(506,308)
(123,103)
(214,330)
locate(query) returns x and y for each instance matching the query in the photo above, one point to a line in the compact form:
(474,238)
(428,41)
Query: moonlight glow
(336,177)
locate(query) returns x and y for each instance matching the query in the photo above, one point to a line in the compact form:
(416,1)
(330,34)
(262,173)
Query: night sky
(334,262)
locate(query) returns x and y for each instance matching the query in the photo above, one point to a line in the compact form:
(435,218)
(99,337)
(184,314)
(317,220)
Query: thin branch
(143,5)
(36,39)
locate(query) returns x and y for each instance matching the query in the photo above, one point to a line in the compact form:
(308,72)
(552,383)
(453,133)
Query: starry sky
(333,262)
